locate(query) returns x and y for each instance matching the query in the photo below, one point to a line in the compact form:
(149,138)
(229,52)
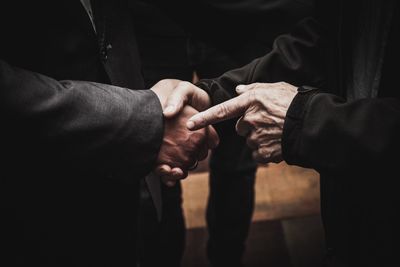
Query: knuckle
(184,84)
(246,119)
(203,119)
(177,176)
(253,95)
(256,97)
(254,136)
(183,159)
(281,84)
(258,85)
(162,82)
(264,152)
(258,158)
(221,111)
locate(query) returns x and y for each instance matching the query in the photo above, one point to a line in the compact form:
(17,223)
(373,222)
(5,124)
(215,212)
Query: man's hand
(181,149)
(174,95)
(186,93)
(163,89)
(263,108)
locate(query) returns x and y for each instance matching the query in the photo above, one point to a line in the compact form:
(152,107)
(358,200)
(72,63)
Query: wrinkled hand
(263,108)
(181,148)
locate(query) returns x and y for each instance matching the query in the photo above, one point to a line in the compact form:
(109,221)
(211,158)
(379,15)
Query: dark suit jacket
(72,151)
(352,144)
(242,29)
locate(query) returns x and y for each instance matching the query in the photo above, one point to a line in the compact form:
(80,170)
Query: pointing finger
(232,108)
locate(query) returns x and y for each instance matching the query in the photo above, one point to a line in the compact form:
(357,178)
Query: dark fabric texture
(74,147)
(230,24)
(296,55)
(163,50)
(235,33)
(229,211)
(232,168)
(173,41)
(353,144)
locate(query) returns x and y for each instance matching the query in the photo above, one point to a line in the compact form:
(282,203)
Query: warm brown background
(286,229)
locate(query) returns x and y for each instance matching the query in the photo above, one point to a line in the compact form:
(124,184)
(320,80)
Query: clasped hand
(260,107)
(181,148)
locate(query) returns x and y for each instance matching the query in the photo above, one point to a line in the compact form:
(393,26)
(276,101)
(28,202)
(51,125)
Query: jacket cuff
(136,156)
(293,125)
(214,90)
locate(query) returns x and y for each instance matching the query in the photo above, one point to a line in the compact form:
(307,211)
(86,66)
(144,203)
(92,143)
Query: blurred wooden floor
(286,229)
(282,191)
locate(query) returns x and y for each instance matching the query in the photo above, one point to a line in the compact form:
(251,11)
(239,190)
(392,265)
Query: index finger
(232,108)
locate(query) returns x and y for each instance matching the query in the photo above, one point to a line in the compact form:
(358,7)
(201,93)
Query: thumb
(177,100)
(184,94)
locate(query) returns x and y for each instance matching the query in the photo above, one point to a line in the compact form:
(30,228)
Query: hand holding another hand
(174,95)
(181,148)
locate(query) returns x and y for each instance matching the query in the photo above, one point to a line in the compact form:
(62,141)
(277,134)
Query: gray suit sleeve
(92,125)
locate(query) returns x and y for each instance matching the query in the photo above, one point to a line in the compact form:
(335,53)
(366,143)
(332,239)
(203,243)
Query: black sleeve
(88,124)
(295,58)
(321,130)
(324,132)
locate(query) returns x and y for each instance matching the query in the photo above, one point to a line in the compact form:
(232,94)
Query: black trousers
(232,170)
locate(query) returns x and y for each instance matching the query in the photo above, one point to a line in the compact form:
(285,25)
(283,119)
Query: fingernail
(240,88)
(169,109)
(190,125)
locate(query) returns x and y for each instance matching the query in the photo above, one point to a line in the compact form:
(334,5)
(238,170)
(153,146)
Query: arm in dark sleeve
(295,58)
(90,124)
(324,132)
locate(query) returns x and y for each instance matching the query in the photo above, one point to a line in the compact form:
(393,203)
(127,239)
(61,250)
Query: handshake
(188,134)
(182,148)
